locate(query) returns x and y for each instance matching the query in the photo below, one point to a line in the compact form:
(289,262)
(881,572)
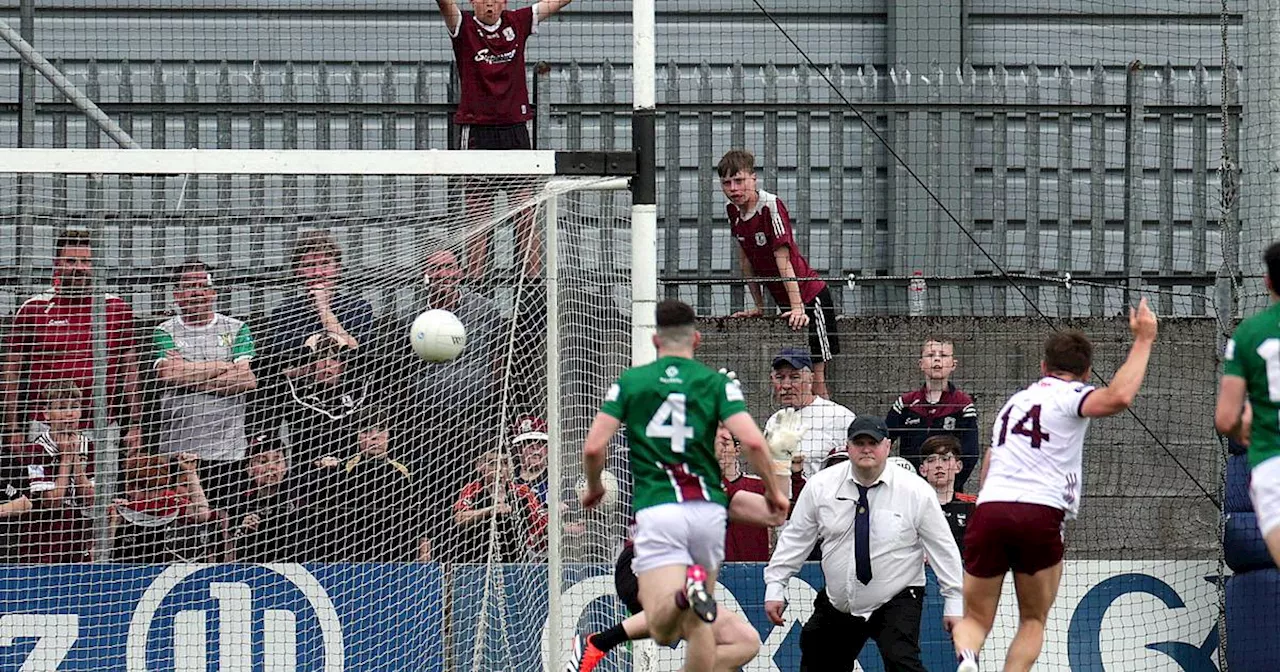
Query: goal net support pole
(77,97)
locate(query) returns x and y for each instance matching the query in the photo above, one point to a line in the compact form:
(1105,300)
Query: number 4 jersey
(1037,447)
(671,409)
(1253,353)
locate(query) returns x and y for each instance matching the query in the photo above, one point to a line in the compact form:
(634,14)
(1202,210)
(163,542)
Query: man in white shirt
(876,525)
(826,420)
(1032,477)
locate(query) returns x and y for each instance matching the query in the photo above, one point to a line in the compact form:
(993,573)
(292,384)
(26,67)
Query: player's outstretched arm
(594,453)
(451,14)
(749,508)
(744,428)
(1229,416)
(1119,395)
(547,8)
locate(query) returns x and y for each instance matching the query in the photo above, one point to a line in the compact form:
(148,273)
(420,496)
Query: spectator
(873,590)
(941,464)
(530,441)
(742,542)
(376,512)
(202,360)
(828,422)
(494,110)
(936,408)
(13,487)
(269,522)
(313,355)
(155,521)
(51,339)
(60,526)
(767,249)
(494,500)
(453,408)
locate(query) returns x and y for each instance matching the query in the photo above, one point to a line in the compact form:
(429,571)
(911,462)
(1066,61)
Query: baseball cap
(263,442)
(836,455)
(529,428)
(796,358)
(871,426)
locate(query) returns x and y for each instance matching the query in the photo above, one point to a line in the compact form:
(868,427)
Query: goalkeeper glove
(731,375)
(783,433)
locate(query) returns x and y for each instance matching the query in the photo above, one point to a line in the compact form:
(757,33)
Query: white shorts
(691,533)
(1264,490)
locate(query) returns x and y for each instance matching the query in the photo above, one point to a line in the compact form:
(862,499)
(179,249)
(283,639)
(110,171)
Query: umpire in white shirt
(876,525)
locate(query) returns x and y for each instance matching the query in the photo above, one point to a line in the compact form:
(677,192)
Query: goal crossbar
(316,162)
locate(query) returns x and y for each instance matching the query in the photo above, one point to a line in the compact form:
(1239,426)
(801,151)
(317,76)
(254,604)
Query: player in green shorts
(1251,369)
(671,409)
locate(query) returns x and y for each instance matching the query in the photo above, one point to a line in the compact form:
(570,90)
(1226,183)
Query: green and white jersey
(671,409)
(1253,353)
(209,425)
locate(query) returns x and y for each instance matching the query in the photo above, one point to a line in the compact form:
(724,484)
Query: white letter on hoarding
(55,635)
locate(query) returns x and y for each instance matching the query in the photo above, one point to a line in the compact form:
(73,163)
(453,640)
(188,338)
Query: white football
(437,336)
(610,483)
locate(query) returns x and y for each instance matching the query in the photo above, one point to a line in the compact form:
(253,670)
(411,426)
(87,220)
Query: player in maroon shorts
(493,113)
(1031,481)
(767,249)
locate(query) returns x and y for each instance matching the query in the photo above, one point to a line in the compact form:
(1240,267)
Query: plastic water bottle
(915,294)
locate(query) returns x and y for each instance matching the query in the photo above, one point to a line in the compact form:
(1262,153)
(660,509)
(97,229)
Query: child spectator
(59,527)
(494,499)
(940,466)
(938,407)
(268,523)
(767,249)
(377,515)
(742,542)
(155,521)
(529,439)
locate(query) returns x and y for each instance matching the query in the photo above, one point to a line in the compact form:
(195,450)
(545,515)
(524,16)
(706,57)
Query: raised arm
(757,295)
(548,8)
(753,444)
(1229,416)
(451,14)
(1119,395)
(594,453)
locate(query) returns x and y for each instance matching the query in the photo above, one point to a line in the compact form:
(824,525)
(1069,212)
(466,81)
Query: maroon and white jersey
(764,230)
(1037,447)
(491,68)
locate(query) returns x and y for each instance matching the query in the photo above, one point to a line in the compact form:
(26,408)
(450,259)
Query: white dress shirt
(828,424)
(906,523)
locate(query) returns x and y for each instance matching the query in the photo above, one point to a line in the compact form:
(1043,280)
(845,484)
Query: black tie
(862,537)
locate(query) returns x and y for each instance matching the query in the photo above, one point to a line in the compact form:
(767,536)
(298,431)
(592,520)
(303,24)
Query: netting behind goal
(239,347)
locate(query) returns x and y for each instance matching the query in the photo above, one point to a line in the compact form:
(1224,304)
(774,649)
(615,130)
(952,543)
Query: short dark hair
(189,265)
(940,444)
(61,390)
(940,340)
(313,242)
(674,313)
(1069,351)
(71,238)
(373,417)
(1272,259)
(736,161)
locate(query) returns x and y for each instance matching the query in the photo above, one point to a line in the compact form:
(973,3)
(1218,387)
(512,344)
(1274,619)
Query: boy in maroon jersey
(489,44)
(58,466)
(767,249)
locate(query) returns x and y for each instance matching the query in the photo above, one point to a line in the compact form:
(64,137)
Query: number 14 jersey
(671,409)
(1037,447)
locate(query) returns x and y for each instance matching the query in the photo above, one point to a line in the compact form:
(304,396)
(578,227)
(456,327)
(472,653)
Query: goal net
(211,396)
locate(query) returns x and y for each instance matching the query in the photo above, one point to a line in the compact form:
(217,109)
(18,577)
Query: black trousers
(831,640)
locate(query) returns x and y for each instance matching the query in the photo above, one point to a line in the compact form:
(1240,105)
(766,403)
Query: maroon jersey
(55,531)
(761,232)
(53,334)
(742,542)
(491,68)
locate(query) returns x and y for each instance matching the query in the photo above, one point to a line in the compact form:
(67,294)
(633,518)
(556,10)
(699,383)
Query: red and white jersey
(1037,447)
